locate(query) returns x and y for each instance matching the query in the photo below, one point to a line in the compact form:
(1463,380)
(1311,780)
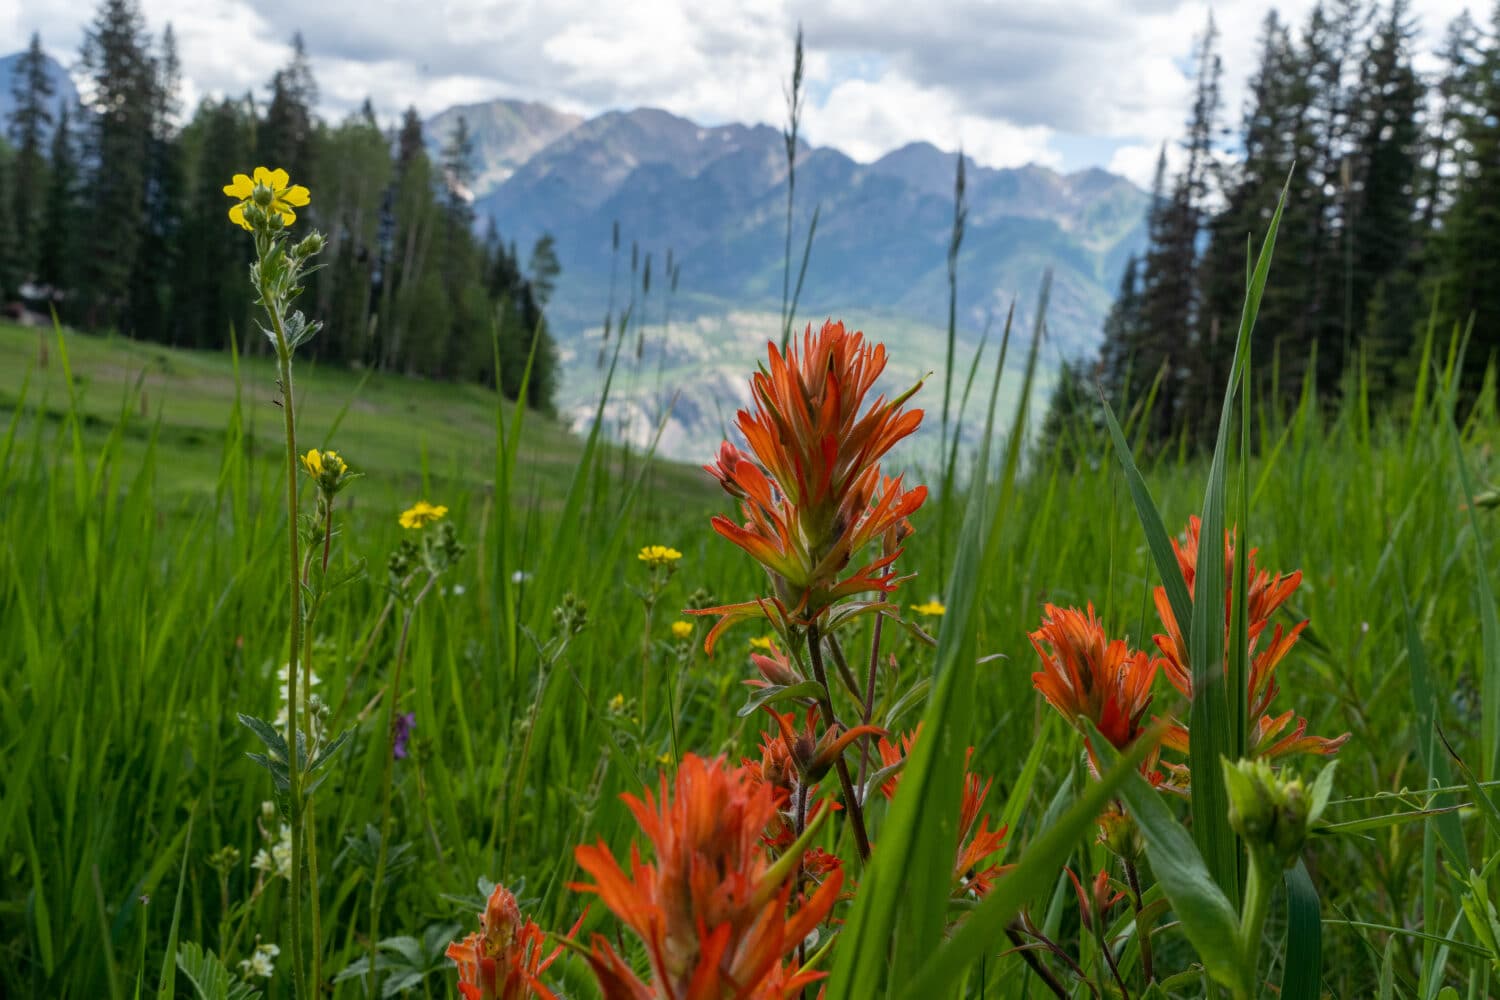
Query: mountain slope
(506,135)
(716,198)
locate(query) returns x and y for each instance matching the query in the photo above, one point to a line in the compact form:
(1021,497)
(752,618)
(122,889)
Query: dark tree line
(113,214)
(1392,218)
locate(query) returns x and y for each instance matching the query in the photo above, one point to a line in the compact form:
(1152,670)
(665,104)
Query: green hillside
(408,435)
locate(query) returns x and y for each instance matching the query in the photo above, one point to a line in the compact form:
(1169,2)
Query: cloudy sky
(1068,83)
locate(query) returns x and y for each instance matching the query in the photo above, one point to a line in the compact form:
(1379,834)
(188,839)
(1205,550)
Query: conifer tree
(30,119)
(57,240)
(1465,279)
(122,73)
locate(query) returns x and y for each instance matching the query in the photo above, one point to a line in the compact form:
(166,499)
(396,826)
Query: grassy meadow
(143,603)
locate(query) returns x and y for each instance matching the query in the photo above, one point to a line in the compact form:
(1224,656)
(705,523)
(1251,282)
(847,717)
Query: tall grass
(136,616)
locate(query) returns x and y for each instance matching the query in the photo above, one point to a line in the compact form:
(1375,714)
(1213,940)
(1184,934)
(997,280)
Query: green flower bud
(311,244)
(1271,813)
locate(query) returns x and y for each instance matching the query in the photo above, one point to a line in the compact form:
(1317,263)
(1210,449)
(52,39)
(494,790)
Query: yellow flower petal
(296,195)
(287,215)
(263,176)
(237,216)
(279,179)
(241,187)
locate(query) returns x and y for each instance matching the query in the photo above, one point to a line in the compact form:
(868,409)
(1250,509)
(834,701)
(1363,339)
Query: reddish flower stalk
(711,909)
(812,495)
(504,960)
(1265,595)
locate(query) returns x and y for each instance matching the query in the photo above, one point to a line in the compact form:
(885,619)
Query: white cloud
(1000,77)
(868,118)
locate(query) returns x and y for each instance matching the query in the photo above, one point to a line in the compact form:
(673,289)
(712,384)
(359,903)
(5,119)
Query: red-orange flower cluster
(503,960)
(1086,674)
(711,909)
(812,494)
(976,843)
(1265,595)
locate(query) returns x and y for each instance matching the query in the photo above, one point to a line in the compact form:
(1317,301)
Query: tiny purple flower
(405,723)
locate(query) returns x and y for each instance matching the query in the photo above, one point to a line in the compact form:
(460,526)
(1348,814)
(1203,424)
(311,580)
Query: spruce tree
(57,241)
(121,101)
(10,248)
(1465,278)
(1382,288)
(285,137)
(30,118)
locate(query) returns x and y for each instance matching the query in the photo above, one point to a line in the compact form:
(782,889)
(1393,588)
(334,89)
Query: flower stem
(294,763)
(1258,887)
(1143,932)
(309,819)
(852,804)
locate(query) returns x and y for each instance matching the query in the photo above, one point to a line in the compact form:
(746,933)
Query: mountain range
(715,197)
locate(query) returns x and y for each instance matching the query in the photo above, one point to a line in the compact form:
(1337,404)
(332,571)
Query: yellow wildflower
(665,758)
(682,630)
(421,514)
(659,555)
(617,704)
(284,195)
(763,642)
(932,609)
(316,462)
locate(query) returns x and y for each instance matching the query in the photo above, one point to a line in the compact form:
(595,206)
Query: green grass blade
(1035,873)
(1302,972)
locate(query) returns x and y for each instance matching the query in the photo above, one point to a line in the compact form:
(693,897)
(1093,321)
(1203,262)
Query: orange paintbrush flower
(976,843)
(504,960)
(1265,595)
(1085,673)
(811,491)
(710,908)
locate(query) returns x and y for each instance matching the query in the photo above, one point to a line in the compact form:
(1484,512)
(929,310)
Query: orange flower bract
(1266,593)
(1085,673)
(811,491)
(504,960)
(976,843)
(710,909)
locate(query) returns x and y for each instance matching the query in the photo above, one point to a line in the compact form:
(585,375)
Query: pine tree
(57,240)
(116,57)
(285,137)
(150,290)
(1274,113)
(1465,279)
(544,268)
(210,294)
(1383,288)
(10,248)
(32,91)
(1166,343)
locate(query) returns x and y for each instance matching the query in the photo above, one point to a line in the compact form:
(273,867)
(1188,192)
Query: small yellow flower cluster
(659,555)
(764,642)
(682,630)
(421,514)
(932,609)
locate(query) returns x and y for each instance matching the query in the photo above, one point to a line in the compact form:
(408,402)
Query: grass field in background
(143,603)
